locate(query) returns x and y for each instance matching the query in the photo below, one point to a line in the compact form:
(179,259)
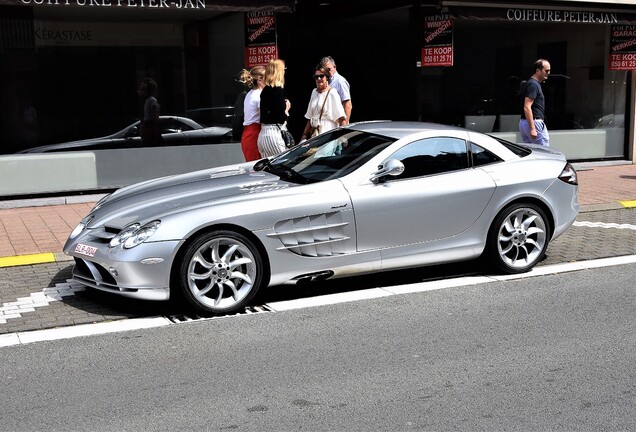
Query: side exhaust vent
(313,277)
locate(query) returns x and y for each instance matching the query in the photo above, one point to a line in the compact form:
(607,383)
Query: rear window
(517,149)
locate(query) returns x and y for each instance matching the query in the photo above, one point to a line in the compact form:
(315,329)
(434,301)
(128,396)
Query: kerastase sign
(622,54)
(260,38)
(91,33)
(438,41)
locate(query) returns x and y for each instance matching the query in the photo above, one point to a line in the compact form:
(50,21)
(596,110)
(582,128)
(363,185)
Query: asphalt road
(41,296)
(548,353)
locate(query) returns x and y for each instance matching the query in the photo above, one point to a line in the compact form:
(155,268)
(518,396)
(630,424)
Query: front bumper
(142,272)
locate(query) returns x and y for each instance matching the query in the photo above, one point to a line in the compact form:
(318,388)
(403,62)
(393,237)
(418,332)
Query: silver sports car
(363,198)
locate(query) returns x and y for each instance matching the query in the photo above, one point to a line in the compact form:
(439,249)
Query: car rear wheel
(221,272)
(518,238)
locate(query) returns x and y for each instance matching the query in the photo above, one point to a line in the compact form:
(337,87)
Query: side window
(432,156)
(481,156)
(169,125)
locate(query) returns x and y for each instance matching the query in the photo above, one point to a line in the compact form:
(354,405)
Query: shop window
(585,100)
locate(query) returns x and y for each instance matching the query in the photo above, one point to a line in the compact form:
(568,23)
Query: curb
(52,201)
(40,258)
(618,205)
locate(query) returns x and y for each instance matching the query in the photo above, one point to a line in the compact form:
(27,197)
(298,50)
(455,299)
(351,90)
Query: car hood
(154,199)
(220,130)
(65,145)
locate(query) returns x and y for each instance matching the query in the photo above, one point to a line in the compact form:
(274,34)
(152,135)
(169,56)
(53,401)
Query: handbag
(287,137)
(316,130)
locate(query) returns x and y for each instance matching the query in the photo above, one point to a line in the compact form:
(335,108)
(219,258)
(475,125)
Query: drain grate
(182,318)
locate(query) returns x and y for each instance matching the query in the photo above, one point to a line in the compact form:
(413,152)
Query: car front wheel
(518,238)
(221,272)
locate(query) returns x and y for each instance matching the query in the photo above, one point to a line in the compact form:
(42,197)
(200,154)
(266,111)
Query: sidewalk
(34,231)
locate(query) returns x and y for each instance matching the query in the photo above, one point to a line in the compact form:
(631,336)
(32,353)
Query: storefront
(71,69)
(492,48)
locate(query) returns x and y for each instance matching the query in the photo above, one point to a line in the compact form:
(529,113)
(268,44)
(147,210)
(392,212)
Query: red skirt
(248,142)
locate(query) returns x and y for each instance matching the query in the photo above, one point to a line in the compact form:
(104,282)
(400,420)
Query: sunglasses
(321,76)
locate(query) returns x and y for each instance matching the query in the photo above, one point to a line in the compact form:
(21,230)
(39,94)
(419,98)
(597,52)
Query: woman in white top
(325,111)
(254,79)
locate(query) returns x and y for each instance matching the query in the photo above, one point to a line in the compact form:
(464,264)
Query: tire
(221,272)
(518,238)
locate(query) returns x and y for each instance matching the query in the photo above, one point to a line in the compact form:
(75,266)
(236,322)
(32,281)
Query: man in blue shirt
(531,125)
(340,84)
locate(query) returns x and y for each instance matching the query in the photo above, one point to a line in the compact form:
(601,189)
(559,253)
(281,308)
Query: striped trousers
(270,142)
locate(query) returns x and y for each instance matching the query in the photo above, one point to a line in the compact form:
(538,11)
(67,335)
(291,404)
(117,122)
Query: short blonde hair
(275,73)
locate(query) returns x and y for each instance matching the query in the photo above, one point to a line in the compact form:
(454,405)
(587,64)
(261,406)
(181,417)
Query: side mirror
(132,132)
(392,167)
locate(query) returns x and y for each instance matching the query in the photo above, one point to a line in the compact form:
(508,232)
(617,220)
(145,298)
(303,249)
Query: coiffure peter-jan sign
(561,16)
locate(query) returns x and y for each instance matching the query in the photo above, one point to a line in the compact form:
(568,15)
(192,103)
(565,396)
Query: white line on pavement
(603,225)
(151,322)
(445,283)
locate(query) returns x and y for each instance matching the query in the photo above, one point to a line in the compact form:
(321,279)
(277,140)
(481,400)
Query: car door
(130,138)
(172,131)
(438,196)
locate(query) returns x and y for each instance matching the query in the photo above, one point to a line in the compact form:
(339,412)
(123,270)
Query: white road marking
(604,225)
(38,299)
(444,283)
(82,330)
(151,322)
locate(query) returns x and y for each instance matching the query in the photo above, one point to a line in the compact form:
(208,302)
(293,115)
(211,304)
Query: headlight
(134,235)
(141,235)
(80,226)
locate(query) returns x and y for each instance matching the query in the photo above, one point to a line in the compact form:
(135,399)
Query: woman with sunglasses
(325,111)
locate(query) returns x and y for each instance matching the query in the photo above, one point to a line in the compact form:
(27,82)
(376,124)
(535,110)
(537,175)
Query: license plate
(85,250)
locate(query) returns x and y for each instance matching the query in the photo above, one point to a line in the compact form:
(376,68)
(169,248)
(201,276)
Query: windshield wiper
(262,165)
(288,173)
(282,171)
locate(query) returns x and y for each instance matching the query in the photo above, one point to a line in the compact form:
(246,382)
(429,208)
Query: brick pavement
(41,229)
(43,296)
(605,185)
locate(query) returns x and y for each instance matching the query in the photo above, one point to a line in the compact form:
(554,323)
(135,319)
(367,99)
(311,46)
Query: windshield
(329,156)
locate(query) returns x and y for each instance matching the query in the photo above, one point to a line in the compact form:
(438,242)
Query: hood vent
(229,173)
(263,187)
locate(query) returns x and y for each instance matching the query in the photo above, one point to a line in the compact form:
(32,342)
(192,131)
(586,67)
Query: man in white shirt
(340,84)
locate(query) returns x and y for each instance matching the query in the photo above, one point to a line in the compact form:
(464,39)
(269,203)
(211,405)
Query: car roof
(400,129)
